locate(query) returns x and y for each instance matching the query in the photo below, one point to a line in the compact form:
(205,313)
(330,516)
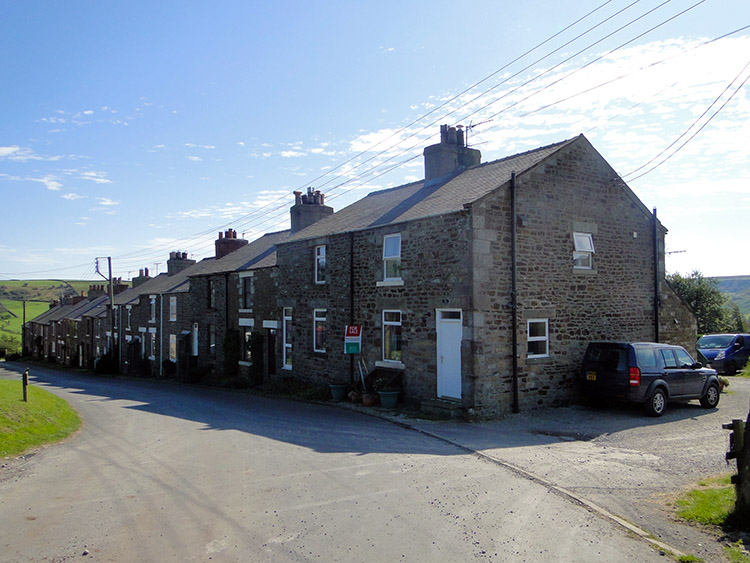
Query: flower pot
(388,399)
(339,392)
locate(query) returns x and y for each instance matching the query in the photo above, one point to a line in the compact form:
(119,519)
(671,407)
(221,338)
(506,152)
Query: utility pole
(111,298)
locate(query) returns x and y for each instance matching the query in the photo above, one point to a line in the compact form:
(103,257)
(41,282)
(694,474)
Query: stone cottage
(481,284)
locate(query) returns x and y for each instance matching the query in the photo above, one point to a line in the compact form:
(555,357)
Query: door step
(442,408)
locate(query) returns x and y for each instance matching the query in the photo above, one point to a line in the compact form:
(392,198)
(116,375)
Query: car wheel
(657,403)
(711,398)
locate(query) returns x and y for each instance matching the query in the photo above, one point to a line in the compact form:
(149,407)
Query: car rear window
(609,357)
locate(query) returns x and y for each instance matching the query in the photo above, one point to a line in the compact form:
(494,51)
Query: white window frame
(320,316)
(173,348)
(583,251)
(392,257)
(286,327)
(544,338)
(152,343)
(173,308)
(247,335)
(387,323)
(246,282)
(152,308)
(320,264)
(129,309)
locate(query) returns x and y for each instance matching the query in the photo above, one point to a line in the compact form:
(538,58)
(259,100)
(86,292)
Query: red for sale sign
(353,339)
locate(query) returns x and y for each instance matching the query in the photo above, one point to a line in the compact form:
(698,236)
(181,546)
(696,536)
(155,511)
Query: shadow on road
(325,429)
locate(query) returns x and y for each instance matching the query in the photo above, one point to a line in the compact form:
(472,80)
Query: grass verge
(44,419)
(711,504)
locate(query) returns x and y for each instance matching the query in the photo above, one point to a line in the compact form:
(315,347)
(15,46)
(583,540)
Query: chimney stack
(450,155)
(142,277)
(308,209)
(177,262)
(228,242)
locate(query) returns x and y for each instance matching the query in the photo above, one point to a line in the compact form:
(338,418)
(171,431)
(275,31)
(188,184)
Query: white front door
(449,336)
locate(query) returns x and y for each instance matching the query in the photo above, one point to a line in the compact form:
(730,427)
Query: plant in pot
(388,388)
(339,391)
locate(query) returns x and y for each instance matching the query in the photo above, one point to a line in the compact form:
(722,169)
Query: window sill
(390,364)
(250,311)
(390,283)
(537,359)
(584,272)
(246,364)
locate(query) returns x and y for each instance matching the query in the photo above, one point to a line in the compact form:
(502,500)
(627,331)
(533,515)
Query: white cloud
(50,182)
(292,154)
(105,201)
(195,158)
(72,196)
(97,177)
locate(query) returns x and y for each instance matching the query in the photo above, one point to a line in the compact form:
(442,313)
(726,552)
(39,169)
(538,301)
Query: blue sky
(134,129)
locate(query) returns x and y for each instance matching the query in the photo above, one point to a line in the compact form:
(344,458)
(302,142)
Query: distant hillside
(737,289)
(38,294)
(42,290)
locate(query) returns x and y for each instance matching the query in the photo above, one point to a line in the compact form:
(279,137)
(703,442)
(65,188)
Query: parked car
(647,373)
(726,353)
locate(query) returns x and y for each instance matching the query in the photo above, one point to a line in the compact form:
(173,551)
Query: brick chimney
(177,262)
(308,209)
(228,242)
(142,277)
(450,155)
(96,291)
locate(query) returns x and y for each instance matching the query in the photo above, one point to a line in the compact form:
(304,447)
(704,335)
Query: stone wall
(576,192)
(436,273)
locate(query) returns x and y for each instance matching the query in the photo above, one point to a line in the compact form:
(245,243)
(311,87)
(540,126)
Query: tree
(707,301)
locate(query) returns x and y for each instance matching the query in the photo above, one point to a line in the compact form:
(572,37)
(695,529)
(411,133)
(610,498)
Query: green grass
(712,504)
(44,419)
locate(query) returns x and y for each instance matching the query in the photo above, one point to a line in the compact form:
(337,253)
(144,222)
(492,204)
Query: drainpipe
(160,336)
(514,289)
(351,302)
(657,301)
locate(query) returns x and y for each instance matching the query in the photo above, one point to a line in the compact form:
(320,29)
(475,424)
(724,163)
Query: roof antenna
(471,126)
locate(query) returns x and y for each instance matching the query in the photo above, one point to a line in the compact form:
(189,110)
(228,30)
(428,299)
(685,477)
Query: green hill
(737,290)
(38,295)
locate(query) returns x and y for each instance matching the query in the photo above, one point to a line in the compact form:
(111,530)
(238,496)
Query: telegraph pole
(111,299)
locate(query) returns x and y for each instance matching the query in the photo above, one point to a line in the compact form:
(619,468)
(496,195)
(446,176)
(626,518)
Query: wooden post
(739,449)
(26,385)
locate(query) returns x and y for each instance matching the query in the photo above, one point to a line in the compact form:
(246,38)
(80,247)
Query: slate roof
(426,199)
(259,253)
(74,312)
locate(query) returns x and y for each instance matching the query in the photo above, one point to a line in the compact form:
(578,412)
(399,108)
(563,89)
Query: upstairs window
(583,251)
(392,257)
(211,294)
(173,308)
(320,264)
(152,305)
(248,290)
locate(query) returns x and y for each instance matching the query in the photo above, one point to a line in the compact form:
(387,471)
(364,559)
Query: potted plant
(388,388)
(339,391)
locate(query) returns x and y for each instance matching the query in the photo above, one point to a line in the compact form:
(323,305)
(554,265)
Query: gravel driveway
(617,458)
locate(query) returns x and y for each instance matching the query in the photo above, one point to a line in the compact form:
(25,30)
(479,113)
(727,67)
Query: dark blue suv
(647,373)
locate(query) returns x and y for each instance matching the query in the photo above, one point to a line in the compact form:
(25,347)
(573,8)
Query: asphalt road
(162,472)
